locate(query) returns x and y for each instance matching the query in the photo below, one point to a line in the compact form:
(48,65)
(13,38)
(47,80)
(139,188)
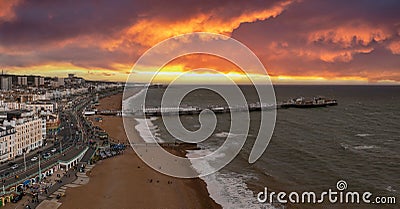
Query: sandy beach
(125,181)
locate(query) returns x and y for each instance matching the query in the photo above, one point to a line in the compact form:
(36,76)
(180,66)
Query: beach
(125,181)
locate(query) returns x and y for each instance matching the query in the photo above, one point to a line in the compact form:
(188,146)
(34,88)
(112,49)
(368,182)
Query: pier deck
(194,110)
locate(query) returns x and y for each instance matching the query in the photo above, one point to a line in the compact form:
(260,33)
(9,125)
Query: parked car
(15,166)
(46,155)
(54,150)
(34,159)
(103,155)
(108,154)
(16,199)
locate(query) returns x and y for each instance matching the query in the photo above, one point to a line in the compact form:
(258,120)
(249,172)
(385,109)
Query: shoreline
(125,180)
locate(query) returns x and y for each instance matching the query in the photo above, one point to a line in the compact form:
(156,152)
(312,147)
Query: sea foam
(363,135)
(147,130)
(227,189)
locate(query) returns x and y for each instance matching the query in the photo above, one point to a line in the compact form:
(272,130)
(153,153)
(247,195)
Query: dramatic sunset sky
(304,41)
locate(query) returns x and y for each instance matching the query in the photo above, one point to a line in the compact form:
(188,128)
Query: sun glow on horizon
(204,75)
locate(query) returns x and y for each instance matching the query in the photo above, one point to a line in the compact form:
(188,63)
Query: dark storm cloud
(46,21)
(81,32)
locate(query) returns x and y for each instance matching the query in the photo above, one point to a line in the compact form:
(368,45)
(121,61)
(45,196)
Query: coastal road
(74,129)
(67,155)
(67,138)
(71,139)
(33,166)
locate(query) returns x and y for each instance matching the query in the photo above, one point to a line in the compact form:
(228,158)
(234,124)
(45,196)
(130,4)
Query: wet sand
(125,181)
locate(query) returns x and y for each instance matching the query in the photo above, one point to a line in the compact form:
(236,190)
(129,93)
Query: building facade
(7,141)
(28,132)
(38,106)
(22,80)
(5,83)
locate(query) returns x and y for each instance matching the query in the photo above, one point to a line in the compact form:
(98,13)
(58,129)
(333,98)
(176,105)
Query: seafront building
(7,140)
(31,109)
(52,124)
(30,106)
(38,106)
(22,131)
(46,110)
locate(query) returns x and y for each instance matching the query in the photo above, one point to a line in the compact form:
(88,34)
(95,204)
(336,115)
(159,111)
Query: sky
(298,41)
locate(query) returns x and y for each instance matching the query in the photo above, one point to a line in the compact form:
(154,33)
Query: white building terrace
(7,136)
(28,133)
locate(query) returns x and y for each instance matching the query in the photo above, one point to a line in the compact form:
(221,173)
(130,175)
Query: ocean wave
(390,189)
(363,135)
(226,134)
(227,189)
(345,146)
(133,103)
(358,147)
(147,130)
(365,147)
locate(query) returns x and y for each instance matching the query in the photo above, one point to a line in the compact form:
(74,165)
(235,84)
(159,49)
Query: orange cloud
(204,61)
(342,55)
(6,9)
(202,68)
(394,47)
(198,68)
(149,32)
(347,35)
(282,51)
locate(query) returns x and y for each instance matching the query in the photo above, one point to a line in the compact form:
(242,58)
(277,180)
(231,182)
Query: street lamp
(40,170)
(24,151)
(61,146)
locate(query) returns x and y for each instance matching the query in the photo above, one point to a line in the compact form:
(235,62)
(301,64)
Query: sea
(356,142)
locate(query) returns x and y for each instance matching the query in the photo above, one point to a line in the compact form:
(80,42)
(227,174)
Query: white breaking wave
(358,147)
(345,146)
(226,134)
(134,102)
(390,189)
(364,147)
(147,130)
(363,135)
(229,190)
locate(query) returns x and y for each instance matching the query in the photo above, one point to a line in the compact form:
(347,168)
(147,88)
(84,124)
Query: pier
(195,110)
(109,112)
(186,145)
